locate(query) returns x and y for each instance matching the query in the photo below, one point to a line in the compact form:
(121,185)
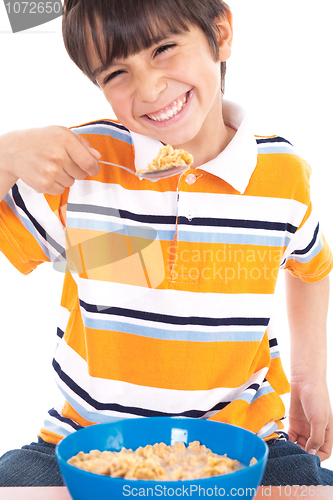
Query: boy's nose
(149,85)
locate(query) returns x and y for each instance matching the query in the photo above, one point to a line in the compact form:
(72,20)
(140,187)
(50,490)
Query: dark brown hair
(119,28)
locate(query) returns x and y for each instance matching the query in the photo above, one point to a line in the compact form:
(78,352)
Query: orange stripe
(69,412)
(50,437)
(277,378)
(252,416)
(169,364)
(224,268)
(11,239)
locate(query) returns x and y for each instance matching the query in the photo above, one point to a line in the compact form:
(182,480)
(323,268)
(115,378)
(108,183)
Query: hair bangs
(115,29)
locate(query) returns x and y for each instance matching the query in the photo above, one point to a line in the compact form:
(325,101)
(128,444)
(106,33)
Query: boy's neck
(202,155)
(212,139)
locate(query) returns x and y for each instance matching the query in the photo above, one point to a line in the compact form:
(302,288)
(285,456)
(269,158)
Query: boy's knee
(288,464)
(27,467)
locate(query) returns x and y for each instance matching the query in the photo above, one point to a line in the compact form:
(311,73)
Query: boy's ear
(224,23)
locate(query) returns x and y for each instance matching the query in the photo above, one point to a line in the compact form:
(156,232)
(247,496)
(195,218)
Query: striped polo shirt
(169,285)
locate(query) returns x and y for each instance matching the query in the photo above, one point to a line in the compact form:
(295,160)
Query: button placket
(186,210)
(189,213)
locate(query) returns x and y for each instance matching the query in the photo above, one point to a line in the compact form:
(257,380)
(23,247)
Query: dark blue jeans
(36,465)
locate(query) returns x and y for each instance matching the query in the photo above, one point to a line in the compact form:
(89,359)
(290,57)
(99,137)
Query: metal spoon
(152,175)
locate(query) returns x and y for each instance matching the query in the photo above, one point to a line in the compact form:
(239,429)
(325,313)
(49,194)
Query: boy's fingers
(84,156)
(292,435)
(53,184)
(93,151)
(72,170)
(325,450)
(317,436)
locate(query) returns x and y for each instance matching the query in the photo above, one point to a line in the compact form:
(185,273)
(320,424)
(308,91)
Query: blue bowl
(236,442)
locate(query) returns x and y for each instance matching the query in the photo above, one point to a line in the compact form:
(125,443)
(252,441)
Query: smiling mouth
(171,110)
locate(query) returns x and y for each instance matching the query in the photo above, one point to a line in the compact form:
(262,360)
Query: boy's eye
(112,75)
(164,48)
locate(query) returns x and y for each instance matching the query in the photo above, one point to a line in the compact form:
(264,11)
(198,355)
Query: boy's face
(170,92)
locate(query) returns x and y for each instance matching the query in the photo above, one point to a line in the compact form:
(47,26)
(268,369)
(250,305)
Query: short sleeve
(308,255)
(31,229)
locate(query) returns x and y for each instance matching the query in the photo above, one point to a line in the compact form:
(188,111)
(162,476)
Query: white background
(280,70)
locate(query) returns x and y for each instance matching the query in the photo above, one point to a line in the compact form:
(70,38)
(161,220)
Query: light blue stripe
(57,429)
(270,431)
(30,228)
(96,225)
(157,333)
(106,130)
(275,150)
(239,239)
(184,236)
(246,396)
(275,354)
(92,416)
(250,397)
(304,259)
(109,227)
(262,392)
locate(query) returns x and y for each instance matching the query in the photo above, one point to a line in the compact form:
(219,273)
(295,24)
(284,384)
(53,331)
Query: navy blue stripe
(239,223)
(151,219)
(173,320)
(60,333)
(171,219)
(104,122)
(253,386)
(124,214)
(56,415)
(272,140)
(273,343)
(20,203)
(310,245)
(141,412)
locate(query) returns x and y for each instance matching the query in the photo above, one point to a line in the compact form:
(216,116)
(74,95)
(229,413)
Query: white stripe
(63,319)
(303,236)
(37,205)
(126,394)
(54,424)
(286,401)
(47,248)
(115,196)
(228,206)
(211,205)
(276,144)
(175,302)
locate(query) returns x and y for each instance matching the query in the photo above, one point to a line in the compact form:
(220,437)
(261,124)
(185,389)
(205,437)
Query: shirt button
(189,213)
(190,179)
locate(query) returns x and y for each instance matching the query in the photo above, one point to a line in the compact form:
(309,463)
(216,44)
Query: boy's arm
(47,159)
(310,417)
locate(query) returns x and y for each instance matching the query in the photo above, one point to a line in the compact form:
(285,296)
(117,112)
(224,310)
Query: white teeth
(171,112)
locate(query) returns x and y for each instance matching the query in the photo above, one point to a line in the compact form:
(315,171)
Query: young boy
(169,286)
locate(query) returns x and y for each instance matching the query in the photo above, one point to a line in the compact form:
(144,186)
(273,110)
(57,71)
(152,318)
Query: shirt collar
(235,164)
